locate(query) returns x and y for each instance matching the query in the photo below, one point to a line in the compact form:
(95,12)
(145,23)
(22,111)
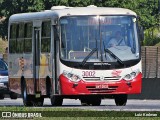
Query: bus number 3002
(88,73)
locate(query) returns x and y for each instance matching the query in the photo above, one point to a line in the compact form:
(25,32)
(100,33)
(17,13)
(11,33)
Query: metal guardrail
(150,61)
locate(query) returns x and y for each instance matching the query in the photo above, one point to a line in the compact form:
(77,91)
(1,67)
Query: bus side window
(12,41)
(46,36)
(20,38)
(28,38)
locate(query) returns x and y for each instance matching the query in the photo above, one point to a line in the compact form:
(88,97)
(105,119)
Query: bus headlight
(131,76)
(72,77)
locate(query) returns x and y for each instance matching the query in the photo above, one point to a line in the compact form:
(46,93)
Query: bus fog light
(75,85)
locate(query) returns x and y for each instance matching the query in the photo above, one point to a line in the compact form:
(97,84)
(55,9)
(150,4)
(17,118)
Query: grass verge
(59,113)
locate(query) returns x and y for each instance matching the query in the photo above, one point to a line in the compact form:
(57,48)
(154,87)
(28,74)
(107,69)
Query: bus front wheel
(13,95)
(38,101)
(2,96)
(94,101)
(56,100)
(27,99)
(121,100)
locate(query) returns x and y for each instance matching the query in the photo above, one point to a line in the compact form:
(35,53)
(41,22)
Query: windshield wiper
(113,55)
(88,56)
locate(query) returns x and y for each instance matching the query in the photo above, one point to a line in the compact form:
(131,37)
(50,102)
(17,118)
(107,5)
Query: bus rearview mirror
(141,33)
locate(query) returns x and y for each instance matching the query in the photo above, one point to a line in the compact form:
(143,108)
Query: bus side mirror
(141,33)
(141,30)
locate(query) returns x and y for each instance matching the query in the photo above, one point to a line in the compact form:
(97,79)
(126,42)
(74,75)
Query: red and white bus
(65,53)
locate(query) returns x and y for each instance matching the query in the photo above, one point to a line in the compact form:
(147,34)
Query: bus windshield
(81,35)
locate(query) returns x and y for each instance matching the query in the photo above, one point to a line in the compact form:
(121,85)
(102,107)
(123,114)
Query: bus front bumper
(68,87)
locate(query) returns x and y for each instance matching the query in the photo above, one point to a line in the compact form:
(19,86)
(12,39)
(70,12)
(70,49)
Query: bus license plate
(102,86)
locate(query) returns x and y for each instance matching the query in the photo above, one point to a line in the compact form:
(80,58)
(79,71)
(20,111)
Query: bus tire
(27,99)
(48,87)
(56,100)
(38,101)
(13,95)
(1,96)
(84,102)
(121,100)
(94,101)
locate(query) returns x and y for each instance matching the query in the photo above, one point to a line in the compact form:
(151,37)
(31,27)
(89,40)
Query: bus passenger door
(36,59)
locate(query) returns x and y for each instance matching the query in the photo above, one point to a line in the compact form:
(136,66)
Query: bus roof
(94,11)
(68,11)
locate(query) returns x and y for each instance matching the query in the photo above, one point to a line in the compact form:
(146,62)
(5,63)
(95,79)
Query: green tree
(49,3)
(9,7)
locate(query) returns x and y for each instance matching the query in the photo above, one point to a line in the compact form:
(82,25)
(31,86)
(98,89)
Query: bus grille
(93,89)
(102,79)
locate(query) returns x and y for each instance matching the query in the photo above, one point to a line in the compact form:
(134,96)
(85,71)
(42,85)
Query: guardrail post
(157,64)
(145,59)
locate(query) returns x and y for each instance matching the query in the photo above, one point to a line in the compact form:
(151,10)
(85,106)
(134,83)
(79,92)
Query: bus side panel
(15,85)
(44,73)
(30,86)
(20,68)
(14,72)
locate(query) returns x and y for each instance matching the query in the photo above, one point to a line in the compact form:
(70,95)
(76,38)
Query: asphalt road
(107,104)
